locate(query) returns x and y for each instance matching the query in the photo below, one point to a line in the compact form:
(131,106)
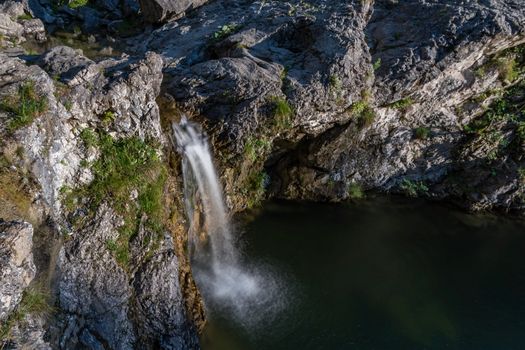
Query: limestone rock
(17,269)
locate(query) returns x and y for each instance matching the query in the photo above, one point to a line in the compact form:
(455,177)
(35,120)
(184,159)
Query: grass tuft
(414,188)
(33,302)
(422,133)
(402,104)
(74,4)
(225,31)
(364,113)
(355,191)
(255,148)
(282,113)
(24,107)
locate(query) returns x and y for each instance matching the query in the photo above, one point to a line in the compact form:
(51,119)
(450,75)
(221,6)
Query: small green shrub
(284,73)
(503,109)
(282,113)
(89,137)
(521,173)
(414,188)
(4,163)
(335,83)
(107,117)
(68,105)
(364,113)
(377,64)
(402,104)
(77,3)
(507,68)
(480,72)
(111,245)
(520,131)
(358,107)
(421,133)
(256,188)
(256,147)
(336,87)
(355,191)
(225,31)
(24,107)
(25,16)
(367,117)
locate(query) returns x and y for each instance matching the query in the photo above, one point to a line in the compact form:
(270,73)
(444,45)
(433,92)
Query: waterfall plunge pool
(382,273)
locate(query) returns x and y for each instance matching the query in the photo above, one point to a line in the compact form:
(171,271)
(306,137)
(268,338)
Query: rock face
(425,81)
(158,10)
(325,96)
(17,269)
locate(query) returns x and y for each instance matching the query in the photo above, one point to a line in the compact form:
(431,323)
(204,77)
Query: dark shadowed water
(383,273)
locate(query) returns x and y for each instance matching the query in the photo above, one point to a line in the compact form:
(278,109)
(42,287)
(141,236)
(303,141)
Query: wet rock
(158,10)
(17,269)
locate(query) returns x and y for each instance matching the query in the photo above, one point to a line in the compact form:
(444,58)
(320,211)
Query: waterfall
(203,195)
(225,279)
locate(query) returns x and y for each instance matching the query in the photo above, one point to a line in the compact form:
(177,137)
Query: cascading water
(224,278)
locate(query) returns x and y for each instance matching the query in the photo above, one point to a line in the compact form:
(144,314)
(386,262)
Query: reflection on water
(385,274)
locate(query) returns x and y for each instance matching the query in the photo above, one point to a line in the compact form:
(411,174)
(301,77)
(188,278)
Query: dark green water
(383,274)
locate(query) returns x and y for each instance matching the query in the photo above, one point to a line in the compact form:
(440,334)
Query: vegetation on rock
(33,302)
(364,113)
(124,166)
(355,191)
(77,3)
(402,104)
(255,148)
(421,133)
(414,188)
(225,31)
(256,187)
(282,113)
(24,107)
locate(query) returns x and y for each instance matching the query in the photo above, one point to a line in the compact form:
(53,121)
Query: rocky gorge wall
(318,100)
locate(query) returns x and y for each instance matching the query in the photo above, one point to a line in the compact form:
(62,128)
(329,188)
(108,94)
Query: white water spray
(224,279)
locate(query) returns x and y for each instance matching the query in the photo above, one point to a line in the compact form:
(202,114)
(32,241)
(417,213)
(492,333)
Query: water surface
(383,273)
